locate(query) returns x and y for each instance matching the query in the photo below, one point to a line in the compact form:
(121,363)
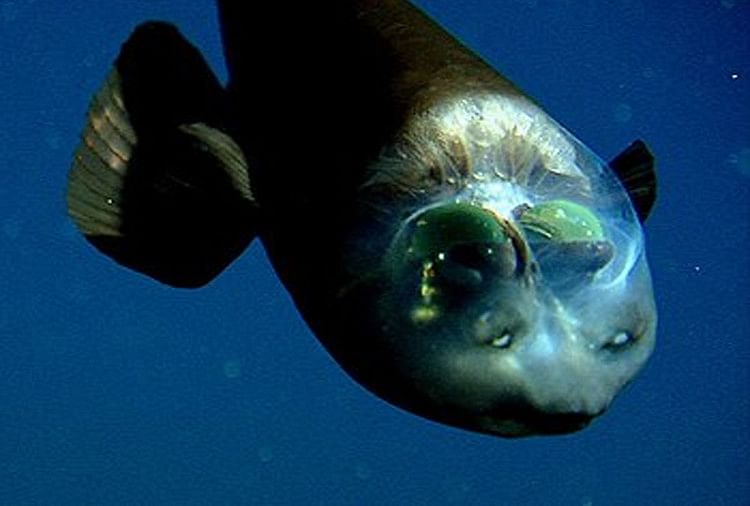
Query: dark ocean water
(116,390)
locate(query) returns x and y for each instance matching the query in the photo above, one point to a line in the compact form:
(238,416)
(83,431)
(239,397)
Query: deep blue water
(116,390)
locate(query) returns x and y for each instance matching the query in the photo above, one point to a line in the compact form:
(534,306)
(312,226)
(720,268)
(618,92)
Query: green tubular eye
(562,221)
(440,229)
(450,249)
(568,241)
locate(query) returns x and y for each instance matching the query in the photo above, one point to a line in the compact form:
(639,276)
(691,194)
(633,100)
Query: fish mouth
(528,421)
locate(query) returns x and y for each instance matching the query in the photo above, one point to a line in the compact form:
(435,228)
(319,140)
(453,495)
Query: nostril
(619,341)
(494,332)
(502,341)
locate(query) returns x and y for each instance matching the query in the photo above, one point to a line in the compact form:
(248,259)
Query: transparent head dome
(500,279)
(573,213)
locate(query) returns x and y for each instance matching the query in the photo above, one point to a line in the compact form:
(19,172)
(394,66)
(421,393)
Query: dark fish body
(456,250)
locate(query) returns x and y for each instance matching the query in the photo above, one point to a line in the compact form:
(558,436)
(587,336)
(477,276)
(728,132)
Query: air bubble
(741,160)
(622,113)
(232,369)
(11,228)
(8,11)
(265,454)
(362,471)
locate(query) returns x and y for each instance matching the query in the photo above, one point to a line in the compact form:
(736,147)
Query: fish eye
(444,228)
(567,239)
(454,249)
(561,221)
(571,260)
(472,256)
(465,266)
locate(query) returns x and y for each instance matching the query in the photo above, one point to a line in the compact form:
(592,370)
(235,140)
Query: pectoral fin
(156,182)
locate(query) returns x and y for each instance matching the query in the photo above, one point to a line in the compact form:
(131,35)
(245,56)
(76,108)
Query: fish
(458,252)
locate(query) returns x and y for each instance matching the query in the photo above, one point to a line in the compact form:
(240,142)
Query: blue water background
(116,390)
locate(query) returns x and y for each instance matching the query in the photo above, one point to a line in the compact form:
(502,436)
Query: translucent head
(516,302)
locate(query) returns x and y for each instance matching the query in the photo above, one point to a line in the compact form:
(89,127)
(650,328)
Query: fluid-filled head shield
(510,295)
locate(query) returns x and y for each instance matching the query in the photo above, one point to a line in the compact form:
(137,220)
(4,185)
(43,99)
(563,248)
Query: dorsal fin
(634,167)
(156,183)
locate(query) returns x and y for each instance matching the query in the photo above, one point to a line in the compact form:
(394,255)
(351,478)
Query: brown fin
(156,183)
(635,169)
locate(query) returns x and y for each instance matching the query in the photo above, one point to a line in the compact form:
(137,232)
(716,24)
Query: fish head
(517,302)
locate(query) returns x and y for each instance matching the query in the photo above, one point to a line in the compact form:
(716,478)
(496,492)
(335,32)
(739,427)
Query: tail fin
(156,183)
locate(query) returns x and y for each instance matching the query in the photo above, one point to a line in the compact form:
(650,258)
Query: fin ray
(156,183)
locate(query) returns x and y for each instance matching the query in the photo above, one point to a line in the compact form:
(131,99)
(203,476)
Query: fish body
(456,250)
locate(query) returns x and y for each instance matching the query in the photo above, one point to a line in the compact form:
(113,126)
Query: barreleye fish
(457,251)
